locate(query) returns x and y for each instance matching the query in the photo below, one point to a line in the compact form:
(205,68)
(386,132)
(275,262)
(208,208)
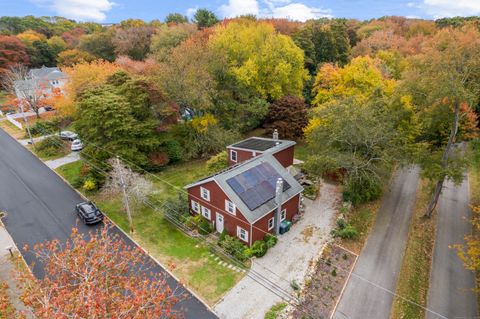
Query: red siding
(217,204)
(260,228)
(242,156)
(285,157)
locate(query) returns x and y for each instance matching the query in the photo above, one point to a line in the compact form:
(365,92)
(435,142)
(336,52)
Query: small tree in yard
(97,276)
(289,116)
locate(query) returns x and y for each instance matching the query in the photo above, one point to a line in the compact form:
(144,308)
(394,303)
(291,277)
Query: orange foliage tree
(97,276)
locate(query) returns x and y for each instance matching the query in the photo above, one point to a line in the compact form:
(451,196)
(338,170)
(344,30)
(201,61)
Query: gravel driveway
(287,261)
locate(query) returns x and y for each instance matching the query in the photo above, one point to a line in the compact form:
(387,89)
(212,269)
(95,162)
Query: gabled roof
(45,73)
(249,185)
(262,144)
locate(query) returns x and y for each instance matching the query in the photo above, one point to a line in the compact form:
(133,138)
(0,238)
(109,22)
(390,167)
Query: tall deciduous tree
(265,62)
(12,52)
(177,18)
(168,37)
(72,57)
(100,44)
(289,116)
(445,78)
(134,42)
(99,276)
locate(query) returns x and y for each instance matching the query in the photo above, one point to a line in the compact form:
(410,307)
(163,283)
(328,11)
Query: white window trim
(233,205)
(202,189)
(239,232)
(195,206)
(273,223)
(283,215)
(231,155)
(207,213)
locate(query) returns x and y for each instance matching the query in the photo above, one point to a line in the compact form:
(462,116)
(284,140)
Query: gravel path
(287,261)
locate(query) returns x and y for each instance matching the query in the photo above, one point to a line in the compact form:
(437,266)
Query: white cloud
(451,8)
(83,10)
(273,8)
(299,12)
(236,8)
(191,12)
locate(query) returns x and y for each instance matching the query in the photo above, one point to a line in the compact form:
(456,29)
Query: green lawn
(188,259)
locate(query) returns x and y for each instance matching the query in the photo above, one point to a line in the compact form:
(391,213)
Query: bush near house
(238,250)
(344,230)
(51,146)
(43,127)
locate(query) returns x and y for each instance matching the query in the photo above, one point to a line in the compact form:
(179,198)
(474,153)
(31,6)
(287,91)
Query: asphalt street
(40,207)
(367,294)
(450,292)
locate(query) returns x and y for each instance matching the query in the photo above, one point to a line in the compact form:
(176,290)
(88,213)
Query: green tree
(57,44)
(99,44)
(41,54)
(176,18)
(205,18)
(127,121)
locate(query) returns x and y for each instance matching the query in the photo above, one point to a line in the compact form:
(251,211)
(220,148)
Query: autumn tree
(72,57)
(444,85)
(99,44)
(56,44)
(205,18)
(168,37)
(81,77)
(289,116)
(260,59)
(12,52)
(97,276)
(361,78)
(175,18)
(134,42)
(186,75)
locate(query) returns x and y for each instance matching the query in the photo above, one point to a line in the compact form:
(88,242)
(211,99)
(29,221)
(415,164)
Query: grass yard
(415,272)
(362,219)
(187,258)
(12,129)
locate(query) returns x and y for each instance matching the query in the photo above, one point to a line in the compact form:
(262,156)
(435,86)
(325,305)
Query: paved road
(40,206)
(382,255)
(450,292)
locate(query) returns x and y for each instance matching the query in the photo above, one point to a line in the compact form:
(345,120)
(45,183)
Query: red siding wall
(285,157)
(261,226)
(217,204)
(242,155)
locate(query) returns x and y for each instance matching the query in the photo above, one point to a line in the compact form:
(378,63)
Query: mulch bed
(325,284)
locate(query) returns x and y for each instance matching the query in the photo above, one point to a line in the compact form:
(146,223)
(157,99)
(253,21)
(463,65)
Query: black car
(89,213)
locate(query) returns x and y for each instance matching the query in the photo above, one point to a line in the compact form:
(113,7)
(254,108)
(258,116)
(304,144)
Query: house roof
(262,144)
(46,73)
(250,185)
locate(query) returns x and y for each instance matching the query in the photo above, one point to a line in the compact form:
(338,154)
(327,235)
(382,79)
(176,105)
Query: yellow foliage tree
(30,36)
(261,59)
(470,252)
(81,76)
(359,79)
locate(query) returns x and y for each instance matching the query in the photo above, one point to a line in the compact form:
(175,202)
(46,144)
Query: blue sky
(117,10)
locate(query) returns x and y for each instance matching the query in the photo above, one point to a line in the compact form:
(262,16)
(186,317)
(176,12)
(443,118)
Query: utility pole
(26,124)
(125,196)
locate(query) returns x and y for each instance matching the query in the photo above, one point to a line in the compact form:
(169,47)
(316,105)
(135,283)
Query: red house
(282,150)
(251,198)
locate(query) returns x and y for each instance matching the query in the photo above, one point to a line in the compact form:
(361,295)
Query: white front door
(219,223)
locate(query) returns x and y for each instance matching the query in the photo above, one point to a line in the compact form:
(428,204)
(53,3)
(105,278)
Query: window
(242,233)
(230,207)
(206,212)
(195,207)
(271,223)
(233,155)
(205,193)
(283,215)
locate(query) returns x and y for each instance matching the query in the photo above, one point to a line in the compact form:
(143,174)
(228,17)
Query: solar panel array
(256,186)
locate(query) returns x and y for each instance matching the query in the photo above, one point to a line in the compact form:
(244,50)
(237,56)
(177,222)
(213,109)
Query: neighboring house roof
(262,144)
(251,185)
(45,73)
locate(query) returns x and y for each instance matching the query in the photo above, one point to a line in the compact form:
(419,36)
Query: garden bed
(325,285)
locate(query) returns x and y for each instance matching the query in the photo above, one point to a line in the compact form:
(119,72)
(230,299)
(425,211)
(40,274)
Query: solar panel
(257,144)
(256,186)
